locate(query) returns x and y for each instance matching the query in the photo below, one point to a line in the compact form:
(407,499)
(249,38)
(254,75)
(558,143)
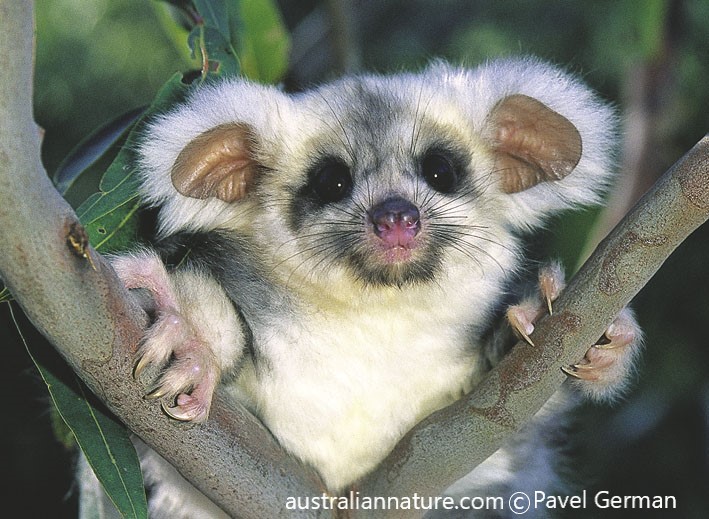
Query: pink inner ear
(532,143)
(219,163)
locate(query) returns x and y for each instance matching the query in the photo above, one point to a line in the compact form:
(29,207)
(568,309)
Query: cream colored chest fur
(342,386)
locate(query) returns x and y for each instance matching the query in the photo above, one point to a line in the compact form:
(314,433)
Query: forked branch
(89,317)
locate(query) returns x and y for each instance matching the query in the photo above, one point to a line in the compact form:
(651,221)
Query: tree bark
(429,458)
(91,320)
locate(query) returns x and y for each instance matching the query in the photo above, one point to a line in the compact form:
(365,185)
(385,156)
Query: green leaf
(181,4)
(110,216)
(240,37)
(110,219)
(264,41)
(104,440)
(215,14)
(213,37)
(88,152)
(216,49)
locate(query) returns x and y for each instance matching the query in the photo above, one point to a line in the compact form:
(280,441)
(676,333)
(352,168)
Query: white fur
(594,120)
(355,367)
(457,97)
(204,301)
(374,365)
(174,497)
(262,107)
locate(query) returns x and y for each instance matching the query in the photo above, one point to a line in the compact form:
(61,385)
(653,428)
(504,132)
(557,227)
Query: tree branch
(89,317)
(92,321)
(429,458)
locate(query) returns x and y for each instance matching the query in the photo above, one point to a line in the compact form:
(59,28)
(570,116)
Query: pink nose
(396,221)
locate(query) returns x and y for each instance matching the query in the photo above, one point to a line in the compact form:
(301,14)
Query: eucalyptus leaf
(241,37)
(182,4)
(110,215)
(215,14)
(91,149)
(217,50)
(104,440)
(264,41)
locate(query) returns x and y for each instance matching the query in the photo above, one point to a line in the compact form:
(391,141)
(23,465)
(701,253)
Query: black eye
(439,173)
(332,181)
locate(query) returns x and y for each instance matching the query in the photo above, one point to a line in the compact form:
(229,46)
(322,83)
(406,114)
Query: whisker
(448,204)
(469,250)
(344,138)
(323,236)
(418,119)
(478,232)
(324,253)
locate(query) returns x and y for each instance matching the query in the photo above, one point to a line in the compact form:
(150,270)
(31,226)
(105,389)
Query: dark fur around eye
(441,170)
(330,181)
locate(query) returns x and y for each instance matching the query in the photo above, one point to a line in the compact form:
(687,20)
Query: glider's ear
(531,142)
(219,163)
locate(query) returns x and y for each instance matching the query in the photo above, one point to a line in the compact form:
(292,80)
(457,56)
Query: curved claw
(140,366)
(156,393)
(608,346)
(584,367)
(527,338)
(520,318)
(581,371)
(188,408)
(615,341)
(178,413)
(570,371)
(551,283)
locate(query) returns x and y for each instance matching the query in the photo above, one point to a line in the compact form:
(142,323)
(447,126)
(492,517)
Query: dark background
(98,59)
